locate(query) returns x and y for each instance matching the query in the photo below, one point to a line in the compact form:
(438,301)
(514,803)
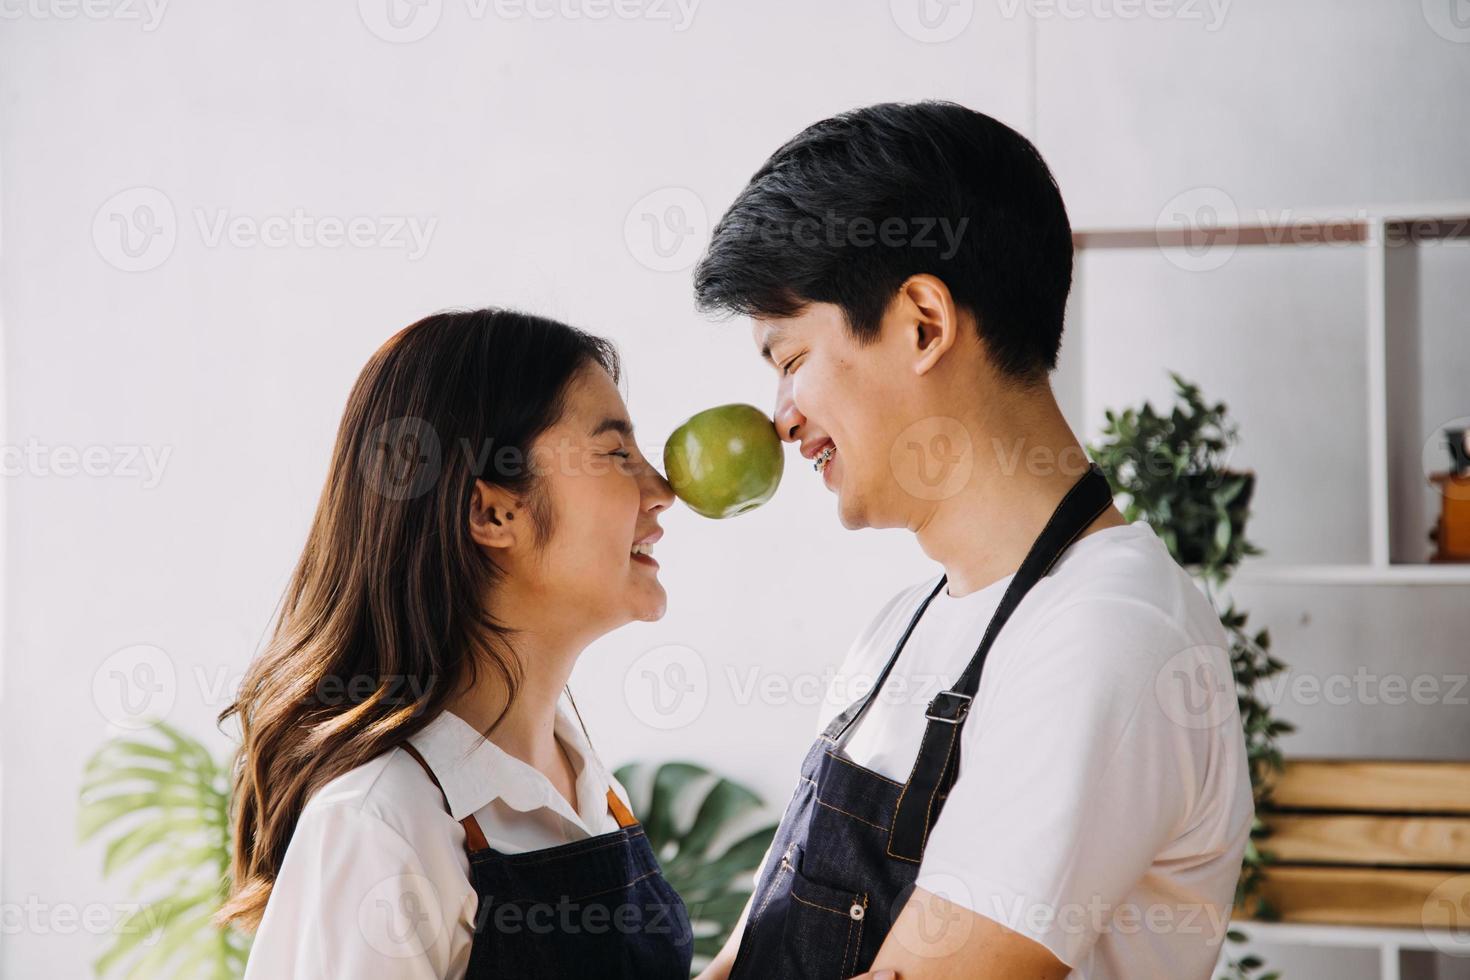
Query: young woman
(413,800)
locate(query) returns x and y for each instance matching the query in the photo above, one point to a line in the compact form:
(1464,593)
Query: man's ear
(932,321)
(496,518)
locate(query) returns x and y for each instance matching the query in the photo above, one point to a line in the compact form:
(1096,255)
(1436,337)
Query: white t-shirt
(1103,800)
(376,881)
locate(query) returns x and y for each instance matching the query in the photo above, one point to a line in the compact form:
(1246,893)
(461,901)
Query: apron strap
(854,711)
(474,838)
(624,816)
(937,763)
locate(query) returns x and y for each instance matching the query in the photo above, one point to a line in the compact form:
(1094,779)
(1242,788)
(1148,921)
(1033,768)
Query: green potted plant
(161,802)
(1174,471)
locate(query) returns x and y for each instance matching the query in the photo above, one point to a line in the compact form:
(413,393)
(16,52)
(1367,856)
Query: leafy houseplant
(161,801)
(1174,470)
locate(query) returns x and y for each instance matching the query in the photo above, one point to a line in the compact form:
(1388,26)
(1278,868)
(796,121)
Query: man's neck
(1026,459)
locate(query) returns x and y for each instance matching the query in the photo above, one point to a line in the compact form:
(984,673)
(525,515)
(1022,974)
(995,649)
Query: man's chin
(851,514)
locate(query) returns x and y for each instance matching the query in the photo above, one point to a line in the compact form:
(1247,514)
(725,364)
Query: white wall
(527,142)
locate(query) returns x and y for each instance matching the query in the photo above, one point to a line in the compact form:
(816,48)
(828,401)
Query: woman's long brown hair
(384,618)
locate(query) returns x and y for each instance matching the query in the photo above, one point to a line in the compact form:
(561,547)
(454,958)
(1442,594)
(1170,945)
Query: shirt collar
(475,772)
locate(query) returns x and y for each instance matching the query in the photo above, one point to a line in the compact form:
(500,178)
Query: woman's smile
(643,550)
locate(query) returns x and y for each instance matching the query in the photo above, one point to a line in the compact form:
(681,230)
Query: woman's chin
(651,604)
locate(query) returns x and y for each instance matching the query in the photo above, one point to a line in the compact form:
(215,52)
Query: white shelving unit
(1372,574)
(1389,943)
(1389,237)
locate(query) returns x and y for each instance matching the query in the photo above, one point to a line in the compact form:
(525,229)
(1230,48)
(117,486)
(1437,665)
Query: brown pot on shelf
(1452,533)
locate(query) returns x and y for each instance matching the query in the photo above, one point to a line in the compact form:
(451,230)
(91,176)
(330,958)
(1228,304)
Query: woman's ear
(495,517)
(934,322)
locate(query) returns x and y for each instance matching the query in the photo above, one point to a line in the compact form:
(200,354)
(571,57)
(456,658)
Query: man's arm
(936,939)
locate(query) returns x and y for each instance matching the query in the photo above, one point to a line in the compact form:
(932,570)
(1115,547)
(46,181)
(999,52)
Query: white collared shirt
(375,882)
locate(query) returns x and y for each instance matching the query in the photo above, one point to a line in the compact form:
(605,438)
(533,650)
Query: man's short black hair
(856,204)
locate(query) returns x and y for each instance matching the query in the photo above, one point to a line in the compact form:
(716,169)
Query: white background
(531,142)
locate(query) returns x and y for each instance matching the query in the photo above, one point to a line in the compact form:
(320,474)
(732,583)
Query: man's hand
(936,939)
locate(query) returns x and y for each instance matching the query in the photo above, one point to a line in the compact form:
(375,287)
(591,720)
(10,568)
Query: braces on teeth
(820,463)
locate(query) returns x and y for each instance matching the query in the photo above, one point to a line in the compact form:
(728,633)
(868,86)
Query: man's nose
(787,416)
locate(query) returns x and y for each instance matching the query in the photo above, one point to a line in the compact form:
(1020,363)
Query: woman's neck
(526,729)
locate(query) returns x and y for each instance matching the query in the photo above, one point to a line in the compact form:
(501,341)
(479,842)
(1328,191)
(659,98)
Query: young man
(1048,778)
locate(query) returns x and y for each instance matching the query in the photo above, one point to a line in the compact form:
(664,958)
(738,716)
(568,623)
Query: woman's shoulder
(391,790)
(371,841)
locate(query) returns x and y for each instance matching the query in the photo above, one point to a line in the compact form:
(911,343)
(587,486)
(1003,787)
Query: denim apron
(594,908)
(847,853)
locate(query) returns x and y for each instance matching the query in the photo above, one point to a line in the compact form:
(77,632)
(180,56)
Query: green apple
(725,461)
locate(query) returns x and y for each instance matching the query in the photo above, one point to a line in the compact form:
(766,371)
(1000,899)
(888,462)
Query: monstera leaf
(700,826)
(162,803)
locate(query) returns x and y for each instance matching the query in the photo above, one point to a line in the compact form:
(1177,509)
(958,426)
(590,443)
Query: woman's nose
(658,494)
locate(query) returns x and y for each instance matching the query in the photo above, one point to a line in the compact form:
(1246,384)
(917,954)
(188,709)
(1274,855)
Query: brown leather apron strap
(474,838)
(624,816)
